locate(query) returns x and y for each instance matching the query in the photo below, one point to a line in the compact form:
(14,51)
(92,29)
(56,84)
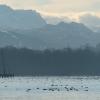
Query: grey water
(50,88)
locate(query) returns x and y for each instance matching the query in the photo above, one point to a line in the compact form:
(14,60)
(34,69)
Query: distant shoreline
(65,62)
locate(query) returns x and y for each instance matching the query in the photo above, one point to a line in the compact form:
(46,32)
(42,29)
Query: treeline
(50,62)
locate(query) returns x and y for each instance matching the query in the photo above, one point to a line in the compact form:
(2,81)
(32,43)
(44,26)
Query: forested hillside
(50,62)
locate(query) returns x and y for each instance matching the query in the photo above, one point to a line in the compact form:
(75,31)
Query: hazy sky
(57,7)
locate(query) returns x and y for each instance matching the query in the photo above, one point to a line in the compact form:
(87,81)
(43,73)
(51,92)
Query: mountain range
(26,28)
(19,19)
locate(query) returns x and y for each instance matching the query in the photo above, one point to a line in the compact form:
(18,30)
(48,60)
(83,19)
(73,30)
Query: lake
(50,88)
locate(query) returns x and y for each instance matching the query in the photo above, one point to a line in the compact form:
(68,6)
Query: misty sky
(57,7)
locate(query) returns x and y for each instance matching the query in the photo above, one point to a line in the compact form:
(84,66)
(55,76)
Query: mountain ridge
(17,29)
(57,36)
(19,19)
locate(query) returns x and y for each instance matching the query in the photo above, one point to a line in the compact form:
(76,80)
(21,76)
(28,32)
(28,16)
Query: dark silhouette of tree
(23,61)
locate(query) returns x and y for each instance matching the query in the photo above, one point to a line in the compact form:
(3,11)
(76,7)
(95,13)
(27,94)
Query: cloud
(68,8)
(90,20)
(59,6)
(56,20)
(20,4)
(64,6)
(87,11)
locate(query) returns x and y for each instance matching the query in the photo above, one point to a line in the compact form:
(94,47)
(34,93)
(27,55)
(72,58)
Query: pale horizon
(55,11)
(60,8)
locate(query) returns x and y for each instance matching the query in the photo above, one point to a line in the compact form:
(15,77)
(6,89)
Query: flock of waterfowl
(60,88)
